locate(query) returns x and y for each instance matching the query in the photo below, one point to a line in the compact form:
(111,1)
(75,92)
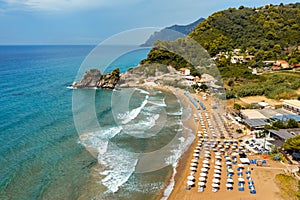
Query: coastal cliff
(93,78)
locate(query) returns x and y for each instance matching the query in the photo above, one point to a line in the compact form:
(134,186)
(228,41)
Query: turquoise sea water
(41,156)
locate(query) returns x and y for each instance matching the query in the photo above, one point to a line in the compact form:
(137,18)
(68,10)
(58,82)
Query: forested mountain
(172,32)
(269,32)
(271,29)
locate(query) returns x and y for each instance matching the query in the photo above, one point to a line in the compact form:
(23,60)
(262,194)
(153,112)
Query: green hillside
(267,33)
(274,30)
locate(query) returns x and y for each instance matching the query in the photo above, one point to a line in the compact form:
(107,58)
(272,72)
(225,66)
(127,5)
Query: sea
(129,151)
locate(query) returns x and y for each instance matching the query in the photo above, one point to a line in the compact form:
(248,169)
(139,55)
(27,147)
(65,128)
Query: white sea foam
(142,91)
(144,124)
(71,87)
(119,166)
(138,129)
(130,115)
(176,113)
(174,159)
(99,139)
(157,101)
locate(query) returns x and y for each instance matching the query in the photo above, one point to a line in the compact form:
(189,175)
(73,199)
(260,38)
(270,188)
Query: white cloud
(62,5)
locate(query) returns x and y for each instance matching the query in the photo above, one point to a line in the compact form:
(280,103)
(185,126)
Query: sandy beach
(263,177)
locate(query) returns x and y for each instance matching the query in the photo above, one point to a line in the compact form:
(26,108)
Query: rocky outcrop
(109,80)
(93,78)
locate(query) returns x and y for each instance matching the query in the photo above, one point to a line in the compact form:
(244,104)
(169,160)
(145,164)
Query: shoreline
(189,124)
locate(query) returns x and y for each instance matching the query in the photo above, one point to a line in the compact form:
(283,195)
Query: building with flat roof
(292,105)
(282,135)
(252,114)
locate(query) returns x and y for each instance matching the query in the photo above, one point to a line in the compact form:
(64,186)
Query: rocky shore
(94,79)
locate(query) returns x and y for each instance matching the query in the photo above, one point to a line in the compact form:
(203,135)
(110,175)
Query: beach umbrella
(234,154)
(194,160)
(228,162)
(205,161)
(217,175)
(196,154)
(215,185)
(241,179)
(218,163)
(204,169)
(191,178)
(193,164)
(230,180)
(230,170)
(203,174)
(202,178)
(198,147)
(190,183)
(217,167)
(205,165)
(240,165)
(228,185)
(227,158)
(193,168)
(217,171)
(201,183)
(216,180)
(196,150)
(218,157)
(207,155)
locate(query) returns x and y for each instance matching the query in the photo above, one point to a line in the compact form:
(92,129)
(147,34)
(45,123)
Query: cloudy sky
(92,21)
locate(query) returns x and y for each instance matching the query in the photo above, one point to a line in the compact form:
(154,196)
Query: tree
(278,124)
(203,87)
(292,123)
(230,83)
(237,106)
(292,144)
(299,98)
(239,130)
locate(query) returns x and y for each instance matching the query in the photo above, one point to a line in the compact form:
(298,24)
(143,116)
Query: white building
(292,105)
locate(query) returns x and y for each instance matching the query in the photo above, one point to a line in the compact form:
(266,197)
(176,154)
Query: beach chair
(200,189)
(252,191)
(214,190)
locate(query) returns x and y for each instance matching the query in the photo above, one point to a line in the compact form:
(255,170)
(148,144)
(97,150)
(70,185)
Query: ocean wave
(174,159)
(158,103)
(142,91)
(99,139)
(144,124)
(138,129)
(130,115)
(176,113)
(119,166)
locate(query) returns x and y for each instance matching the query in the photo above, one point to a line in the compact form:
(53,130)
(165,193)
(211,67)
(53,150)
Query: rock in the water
(109,80)
(93,78)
